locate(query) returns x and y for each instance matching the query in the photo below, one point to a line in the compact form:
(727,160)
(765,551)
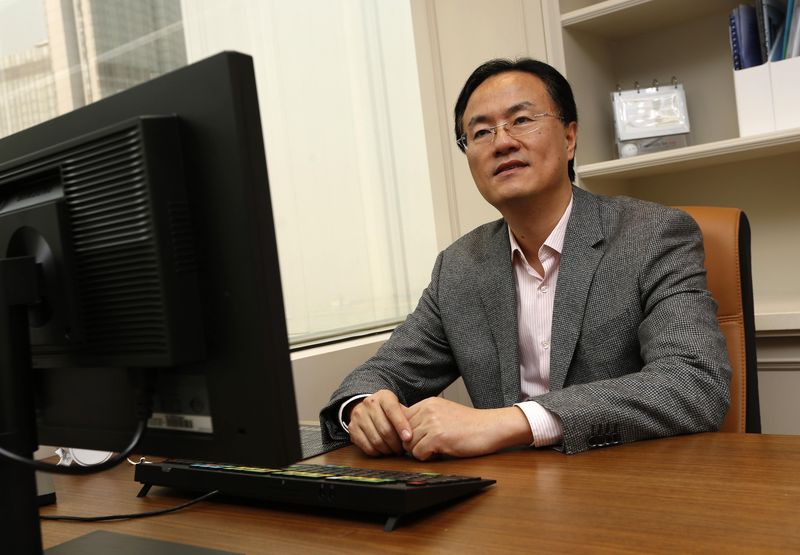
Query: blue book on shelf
(776,52)
(787,28)
(771,15)
(734,36)
(745,25)
(793,40)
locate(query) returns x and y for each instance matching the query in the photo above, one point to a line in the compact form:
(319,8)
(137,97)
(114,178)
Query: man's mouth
(510,165)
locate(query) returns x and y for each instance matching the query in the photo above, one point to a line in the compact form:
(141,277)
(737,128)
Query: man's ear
(571,138)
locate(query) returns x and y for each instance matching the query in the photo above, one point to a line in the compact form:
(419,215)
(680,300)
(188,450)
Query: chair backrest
(726,235)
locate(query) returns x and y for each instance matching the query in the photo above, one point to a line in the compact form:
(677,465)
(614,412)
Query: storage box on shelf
(767,97)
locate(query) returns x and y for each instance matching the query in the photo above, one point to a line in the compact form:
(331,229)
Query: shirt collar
(554,241)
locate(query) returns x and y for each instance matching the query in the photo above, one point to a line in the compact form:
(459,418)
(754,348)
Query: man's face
(510,169)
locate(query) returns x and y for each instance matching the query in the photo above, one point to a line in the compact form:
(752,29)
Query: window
(341,114)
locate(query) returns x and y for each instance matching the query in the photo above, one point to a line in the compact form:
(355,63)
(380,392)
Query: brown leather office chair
(726,235)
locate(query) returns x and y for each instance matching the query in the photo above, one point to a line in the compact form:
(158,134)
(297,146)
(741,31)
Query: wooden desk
(720,493)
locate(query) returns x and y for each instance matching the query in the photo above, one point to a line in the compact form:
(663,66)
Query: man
(576,321)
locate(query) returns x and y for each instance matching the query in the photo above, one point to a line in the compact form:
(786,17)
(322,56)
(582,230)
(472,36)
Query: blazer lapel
(498,295)
(579,260)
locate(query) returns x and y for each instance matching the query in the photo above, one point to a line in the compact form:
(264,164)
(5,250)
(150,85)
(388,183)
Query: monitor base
(104,542)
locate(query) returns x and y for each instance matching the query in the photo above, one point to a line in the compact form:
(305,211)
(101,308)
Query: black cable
(129,516)
(76,469)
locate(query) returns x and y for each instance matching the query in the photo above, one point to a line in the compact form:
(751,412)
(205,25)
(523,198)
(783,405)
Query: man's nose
(503,141)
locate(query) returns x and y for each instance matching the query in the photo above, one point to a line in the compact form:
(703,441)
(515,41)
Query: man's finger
(396,413)
(366,437)
(375,428)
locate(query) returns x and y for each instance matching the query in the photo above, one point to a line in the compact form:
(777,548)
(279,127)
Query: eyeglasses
(520,125)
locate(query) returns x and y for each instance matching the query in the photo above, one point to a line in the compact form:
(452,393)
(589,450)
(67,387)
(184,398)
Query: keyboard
(392,494)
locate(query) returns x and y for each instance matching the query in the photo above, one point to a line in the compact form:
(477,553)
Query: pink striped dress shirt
(535,295)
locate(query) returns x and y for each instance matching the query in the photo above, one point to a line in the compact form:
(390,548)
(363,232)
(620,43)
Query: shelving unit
(619,42)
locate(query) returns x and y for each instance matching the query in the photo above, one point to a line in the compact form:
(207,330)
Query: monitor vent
(181,235)
(116,260)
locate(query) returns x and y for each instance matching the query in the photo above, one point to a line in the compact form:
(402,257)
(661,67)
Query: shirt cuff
(343,405)
(545,426)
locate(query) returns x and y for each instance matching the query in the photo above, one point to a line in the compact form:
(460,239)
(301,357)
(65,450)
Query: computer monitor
(147,216)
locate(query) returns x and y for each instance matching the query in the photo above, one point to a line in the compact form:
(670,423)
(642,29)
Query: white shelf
(772,322)
(623,18)
(778,315)
(691,157)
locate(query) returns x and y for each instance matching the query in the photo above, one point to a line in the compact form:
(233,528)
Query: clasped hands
(381,425)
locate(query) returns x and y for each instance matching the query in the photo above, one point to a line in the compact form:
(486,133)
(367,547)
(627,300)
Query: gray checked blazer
(636,350)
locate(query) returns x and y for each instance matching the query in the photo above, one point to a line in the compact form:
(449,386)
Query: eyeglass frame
(462,140)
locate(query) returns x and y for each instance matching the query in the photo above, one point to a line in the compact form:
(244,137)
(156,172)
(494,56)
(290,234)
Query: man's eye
(522,121)
(480,133)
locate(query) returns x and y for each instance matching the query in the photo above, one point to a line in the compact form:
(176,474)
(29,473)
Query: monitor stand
(19,510)
(105,542)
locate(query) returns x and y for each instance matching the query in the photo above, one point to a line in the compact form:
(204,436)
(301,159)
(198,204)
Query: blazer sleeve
(679,380)
(416,362)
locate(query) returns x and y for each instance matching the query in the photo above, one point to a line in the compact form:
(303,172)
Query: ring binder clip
(655,84)
(636,86)
(674,81)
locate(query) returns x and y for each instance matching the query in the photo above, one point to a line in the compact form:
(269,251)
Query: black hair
(556,85)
